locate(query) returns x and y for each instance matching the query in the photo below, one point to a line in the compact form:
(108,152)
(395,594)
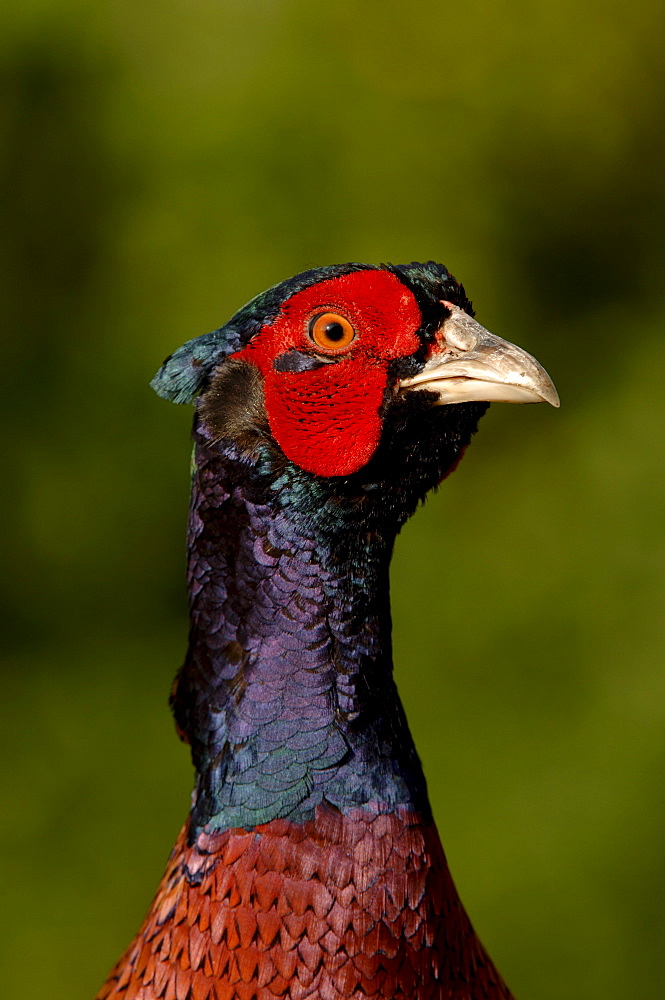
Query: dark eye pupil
(334,331)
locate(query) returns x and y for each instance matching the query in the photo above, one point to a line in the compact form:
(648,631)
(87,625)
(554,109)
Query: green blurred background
(161,163)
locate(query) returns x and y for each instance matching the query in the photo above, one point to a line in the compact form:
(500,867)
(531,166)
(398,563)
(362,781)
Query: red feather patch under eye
(327,420)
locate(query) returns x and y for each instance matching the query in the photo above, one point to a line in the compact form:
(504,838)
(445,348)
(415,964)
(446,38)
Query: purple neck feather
(287,695)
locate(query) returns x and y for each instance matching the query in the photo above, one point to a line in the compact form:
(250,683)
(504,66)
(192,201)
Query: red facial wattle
(328,420)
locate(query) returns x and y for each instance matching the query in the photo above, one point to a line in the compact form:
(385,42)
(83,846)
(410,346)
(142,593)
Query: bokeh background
(163,161)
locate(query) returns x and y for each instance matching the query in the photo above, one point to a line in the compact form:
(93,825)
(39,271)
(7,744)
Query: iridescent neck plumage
(287,694)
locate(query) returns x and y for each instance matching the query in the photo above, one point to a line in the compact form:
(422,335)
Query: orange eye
(331,331)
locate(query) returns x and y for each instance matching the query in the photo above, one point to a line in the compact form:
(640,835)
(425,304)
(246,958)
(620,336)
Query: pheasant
(310,865)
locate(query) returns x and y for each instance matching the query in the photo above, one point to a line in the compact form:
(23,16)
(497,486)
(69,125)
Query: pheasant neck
(287,695)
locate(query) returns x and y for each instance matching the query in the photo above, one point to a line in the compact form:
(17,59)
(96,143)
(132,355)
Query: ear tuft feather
(185,373)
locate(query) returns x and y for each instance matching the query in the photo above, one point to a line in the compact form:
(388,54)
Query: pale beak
(469,363)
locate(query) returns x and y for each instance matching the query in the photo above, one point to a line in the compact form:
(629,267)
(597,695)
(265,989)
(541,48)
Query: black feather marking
(298,361)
